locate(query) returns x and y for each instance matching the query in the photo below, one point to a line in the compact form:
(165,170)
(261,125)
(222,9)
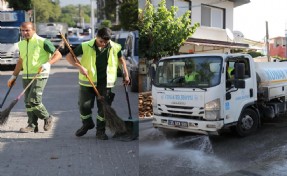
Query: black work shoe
(36,130)
(48,123)
(101,135)
(27,129)
(87,125)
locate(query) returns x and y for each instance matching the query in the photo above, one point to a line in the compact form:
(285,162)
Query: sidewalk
(60,153)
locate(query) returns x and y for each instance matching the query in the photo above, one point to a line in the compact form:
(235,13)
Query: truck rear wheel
(247,122)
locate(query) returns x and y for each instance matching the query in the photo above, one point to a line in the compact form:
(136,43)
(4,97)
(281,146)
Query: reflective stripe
(30,76)
(38,107)
(100,118)
(110,84)
(29,109)
(86,83)
(86,116)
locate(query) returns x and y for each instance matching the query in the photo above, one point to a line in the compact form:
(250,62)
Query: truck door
(236,98)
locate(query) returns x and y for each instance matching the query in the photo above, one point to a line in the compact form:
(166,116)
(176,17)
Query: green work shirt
(102,61)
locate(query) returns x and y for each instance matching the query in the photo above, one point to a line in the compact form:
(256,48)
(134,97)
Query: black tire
(134,81)
(247,123)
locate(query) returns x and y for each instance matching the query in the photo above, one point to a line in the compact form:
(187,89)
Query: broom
(114,122)
(4,115)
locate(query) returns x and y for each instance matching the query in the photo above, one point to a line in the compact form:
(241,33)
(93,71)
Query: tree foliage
(20,4)
(72,14)
(128,14)
(161,31)
(46,10)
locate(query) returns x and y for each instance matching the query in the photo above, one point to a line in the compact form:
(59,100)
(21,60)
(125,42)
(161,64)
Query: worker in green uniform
(35,53)
(190,72)
(100,60)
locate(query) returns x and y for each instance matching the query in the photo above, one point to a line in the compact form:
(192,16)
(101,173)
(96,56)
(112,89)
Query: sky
(68,2)
(251,19)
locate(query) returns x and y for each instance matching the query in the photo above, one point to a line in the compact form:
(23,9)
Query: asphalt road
(178,153)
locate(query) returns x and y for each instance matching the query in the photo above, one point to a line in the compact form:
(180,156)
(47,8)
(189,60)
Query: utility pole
(92,19)
(267,42)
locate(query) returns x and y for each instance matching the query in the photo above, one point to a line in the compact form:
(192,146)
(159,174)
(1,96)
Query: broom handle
(78,62)
(7,94)
(22,93)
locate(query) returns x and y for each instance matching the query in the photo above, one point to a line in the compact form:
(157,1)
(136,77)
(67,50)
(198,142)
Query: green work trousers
(33,101)
(86,102)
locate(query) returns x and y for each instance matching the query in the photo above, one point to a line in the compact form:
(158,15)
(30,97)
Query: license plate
(178,123)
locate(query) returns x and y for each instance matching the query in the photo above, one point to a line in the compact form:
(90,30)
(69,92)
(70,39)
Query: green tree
(46,10)
(128,14)
(106,23)
(20,4)
(161,31)
(72,14)
(110,10)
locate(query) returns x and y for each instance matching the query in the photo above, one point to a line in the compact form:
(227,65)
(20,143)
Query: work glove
(45,67)
(11,81)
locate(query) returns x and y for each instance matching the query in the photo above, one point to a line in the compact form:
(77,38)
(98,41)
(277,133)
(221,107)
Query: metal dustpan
(132,125)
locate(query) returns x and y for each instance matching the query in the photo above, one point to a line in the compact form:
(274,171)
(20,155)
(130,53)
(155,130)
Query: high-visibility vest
(190,77)
(229,70)
(33,55)
(89,62)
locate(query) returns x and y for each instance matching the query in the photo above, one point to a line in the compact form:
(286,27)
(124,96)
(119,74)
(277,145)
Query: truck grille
(4,54)
(187,112)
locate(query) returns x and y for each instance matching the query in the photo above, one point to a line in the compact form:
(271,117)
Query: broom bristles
(113,121)
(4,115)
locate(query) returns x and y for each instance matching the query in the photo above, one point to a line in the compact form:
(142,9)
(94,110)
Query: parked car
(121,37)
(74,41)
(132,58)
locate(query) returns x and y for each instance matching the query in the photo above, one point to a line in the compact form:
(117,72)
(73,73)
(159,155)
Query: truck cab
(10,36)
(9,52)
(51,31)
(211,102)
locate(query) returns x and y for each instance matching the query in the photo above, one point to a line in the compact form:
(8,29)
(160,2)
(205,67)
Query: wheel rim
(247,122)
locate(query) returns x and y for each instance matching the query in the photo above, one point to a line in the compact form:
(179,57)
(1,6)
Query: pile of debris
(145,105)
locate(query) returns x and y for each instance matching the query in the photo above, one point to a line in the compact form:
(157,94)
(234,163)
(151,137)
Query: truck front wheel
(247,122)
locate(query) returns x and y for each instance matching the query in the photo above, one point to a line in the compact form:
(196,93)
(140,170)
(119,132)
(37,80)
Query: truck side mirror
(228,96)
(239,83)
(239,70)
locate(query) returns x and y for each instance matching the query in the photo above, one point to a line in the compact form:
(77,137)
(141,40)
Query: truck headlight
(16,54)
(212,110)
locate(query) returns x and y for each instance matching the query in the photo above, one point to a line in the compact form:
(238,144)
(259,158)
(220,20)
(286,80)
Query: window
(212,16)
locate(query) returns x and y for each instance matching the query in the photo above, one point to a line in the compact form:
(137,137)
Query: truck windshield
(197,72)
(9,35)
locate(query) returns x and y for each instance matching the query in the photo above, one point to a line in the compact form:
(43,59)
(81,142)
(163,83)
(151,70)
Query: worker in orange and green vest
(100,60)
(35,53)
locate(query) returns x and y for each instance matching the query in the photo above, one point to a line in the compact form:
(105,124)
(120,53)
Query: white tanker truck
(229,91)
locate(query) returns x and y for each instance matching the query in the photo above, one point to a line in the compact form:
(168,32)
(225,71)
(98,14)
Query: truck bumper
(8,61)
(188,125)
